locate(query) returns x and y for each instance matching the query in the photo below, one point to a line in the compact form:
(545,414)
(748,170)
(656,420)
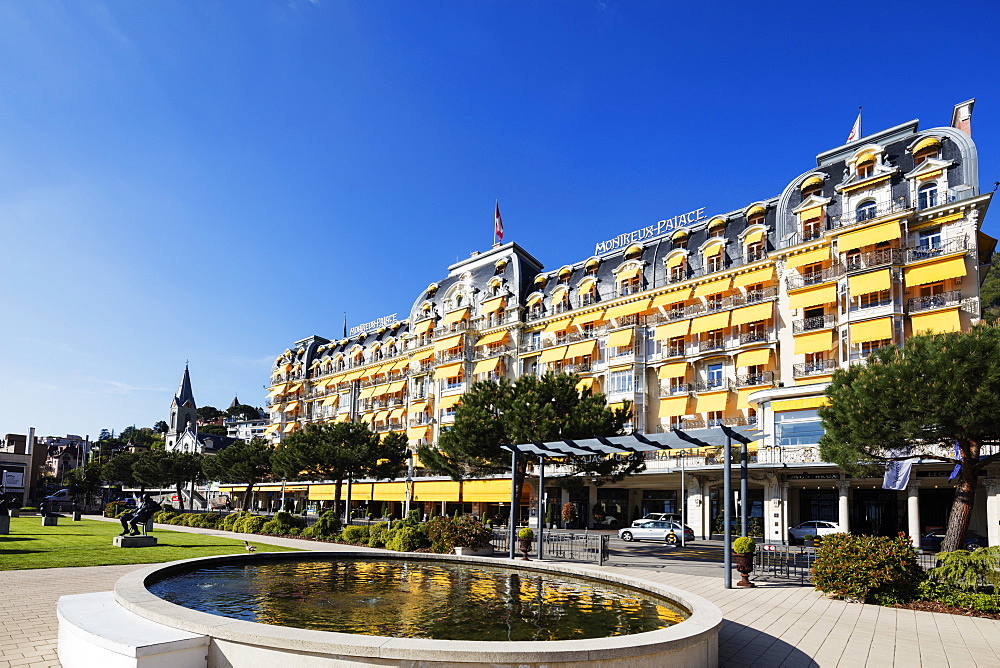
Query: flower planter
(524,546)
(744,564)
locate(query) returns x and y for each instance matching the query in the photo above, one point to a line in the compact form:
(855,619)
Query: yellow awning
(875,281)
(712,248)
(582,349)
(290,406)
(486,366)
(811,181)
(396,413)
(871,330)
(425,355)
(401,364)
(673,406)
(553,354)
(936,321)
(290,427)
(629,274)
(669,298)
(935,271)
(418,407)
(824,294)
(712,287)
(809,214)
(435,490)
(585,384)
(416,433)
(448,371)
(672,370)
(271,428)
(594,316)
(755,313)
(621,338)
(294,387)
(448,401)
(354,375)
(381,416)
(557,326)
(366,392)
(277,389)
(799,404)
(715,401)
(926,142)
(813,343)
(764,275)
(868,236)
(585,286)
(623,310)
(672,329)
(491,305)
(489,491)
(809,257)
(448,343)
(753,237)
(424,326)
(495,337)
(389,491)
(675,260)
(742,395)
(620,405)
(396,386)
(756,357)
(330,401)
(454,316)
(708,323)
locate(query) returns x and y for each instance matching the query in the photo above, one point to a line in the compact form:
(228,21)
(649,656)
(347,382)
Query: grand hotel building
(735,318)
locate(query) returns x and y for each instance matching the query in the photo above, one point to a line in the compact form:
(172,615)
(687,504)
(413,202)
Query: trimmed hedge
(864,568)
(406,539)
(355,534)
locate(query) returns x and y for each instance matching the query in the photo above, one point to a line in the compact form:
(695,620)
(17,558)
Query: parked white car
(673,517)
(655,530)
(813,528)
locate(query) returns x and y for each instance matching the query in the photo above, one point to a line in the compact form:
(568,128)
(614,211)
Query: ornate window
(866,211)
(927,196)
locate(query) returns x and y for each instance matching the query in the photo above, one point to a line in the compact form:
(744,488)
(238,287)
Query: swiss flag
(498,224)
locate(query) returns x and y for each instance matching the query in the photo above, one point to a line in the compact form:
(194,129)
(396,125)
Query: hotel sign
(650,231)
(384,321)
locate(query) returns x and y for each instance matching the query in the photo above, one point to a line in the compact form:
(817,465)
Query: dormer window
(718,229)
(866,211)
(679,239)
(812,229)
(866,168)
(633,251)
(678,272)
(927,196)
(926,149)
(713,262)
(813,186)
(755,251)
(591,267)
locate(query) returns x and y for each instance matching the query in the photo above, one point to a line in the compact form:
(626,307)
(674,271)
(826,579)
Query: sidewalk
(772,625)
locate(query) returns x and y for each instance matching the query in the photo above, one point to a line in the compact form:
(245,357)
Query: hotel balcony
(810,324)
(872,259)
(485,353)
(917,304)
(676,389)
(765,336)
(712,344)
(814,277)
(956,245)
(852,218)
(750,380)
(818,368)
(713,385)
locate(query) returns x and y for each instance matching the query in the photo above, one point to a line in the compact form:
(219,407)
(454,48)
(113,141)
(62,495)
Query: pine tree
(937,392)
(241,462)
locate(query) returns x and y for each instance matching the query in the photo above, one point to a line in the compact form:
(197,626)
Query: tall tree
(181,468)
(937,395)
(118,469)
(84,481)
(243,412)
(340,451)
(241,462)
(209,414)
(496,413)
(161,427)
(152,469)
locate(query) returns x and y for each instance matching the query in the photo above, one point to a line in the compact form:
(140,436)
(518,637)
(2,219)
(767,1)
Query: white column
(913,512)
(992,510)
(785,519)
(592,501)
(692,505)
(772,509)
(706,509)
(843,509)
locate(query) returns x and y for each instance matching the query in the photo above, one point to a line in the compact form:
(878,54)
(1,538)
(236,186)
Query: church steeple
(183,412)
(184,394)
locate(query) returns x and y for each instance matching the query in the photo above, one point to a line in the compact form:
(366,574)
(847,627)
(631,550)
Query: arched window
(927,196)
(927,148)
(866,211)
(811,186)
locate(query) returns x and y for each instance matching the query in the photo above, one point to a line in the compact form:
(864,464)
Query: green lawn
(89,543)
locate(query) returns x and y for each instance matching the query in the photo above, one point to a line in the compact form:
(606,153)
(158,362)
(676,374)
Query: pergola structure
(720,436)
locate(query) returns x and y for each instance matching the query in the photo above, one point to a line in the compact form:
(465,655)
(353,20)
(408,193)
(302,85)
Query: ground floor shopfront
(778,497)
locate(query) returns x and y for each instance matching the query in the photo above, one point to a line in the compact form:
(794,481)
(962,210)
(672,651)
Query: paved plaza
(772,625)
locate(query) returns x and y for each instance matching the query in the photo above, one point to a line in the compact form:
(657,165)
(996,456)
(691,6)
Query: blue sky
(211,181)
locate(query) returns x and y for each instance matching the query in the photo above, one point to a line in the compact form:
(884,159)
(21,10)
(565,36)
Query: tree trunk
(519,476)
(246,497)
(965,497)
(180,498)
(336,497)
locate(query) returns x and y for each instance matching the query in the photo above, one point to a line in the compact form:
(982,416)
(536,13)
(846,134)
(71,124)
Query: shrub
(378,534)
(744,545)
(355,534)
(412,518)
(249,524)
(163,516)
(930,590)
(526,534)
(210,520)
(406,539)
(114,508)
(283,523)
(569,512)
(229,521)
(866,567)
(968,570)
(328,525)
(168,507)
(446,534)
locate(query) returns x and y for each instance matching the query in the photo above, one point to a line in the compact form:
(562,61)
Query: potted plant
(524,538)
(808,539)
(568,514)
(743,549)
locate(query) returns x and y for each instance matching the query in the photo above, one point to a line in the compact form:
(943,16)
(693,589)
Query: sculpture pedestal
(135,541)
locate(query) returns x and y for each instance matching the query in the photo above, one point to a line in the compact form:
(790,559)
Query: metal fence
(786,562)
(562,546)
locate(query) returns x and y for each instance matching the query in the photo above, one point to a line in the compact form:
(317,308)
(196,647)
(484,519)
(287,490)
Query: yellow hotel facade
(699,320)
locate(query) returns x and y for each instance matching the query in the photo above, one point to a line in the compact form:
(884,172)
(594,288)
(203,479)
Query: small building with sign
(736,317)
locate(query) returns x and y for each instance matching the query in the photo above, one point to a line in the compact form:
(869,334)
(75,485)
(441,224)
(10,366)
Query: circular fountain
(414,609)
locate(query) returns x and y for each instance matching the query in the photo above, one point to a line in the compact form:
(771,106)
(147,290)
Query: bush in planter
(526,534)
(249,524)
(866,567)
(327,526)
(569,512)
(744,545)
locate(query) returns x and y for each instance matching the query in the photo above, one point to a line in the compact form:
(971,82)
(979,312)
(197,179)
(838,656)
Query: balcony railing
(814,277)
(809,324)
(754,256)
(753,337)
(579,367)
(756,296)
(711,344)
(762,378)
(871,303)
(857,217)
(483,353)
(819,367)
(675,389)
(956,245)
(950,298)
(673,351)
(871,259)
(448,356)
(713,385)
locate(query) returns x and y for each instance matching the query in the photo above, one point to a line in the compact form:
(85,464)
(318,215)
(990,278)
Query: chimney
(961,117)
(29,442)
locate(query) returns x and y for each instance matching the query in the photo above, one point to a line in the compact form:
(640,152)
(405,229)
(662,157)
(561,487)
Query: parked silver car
(657,516)
(655,530)
(813,528)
